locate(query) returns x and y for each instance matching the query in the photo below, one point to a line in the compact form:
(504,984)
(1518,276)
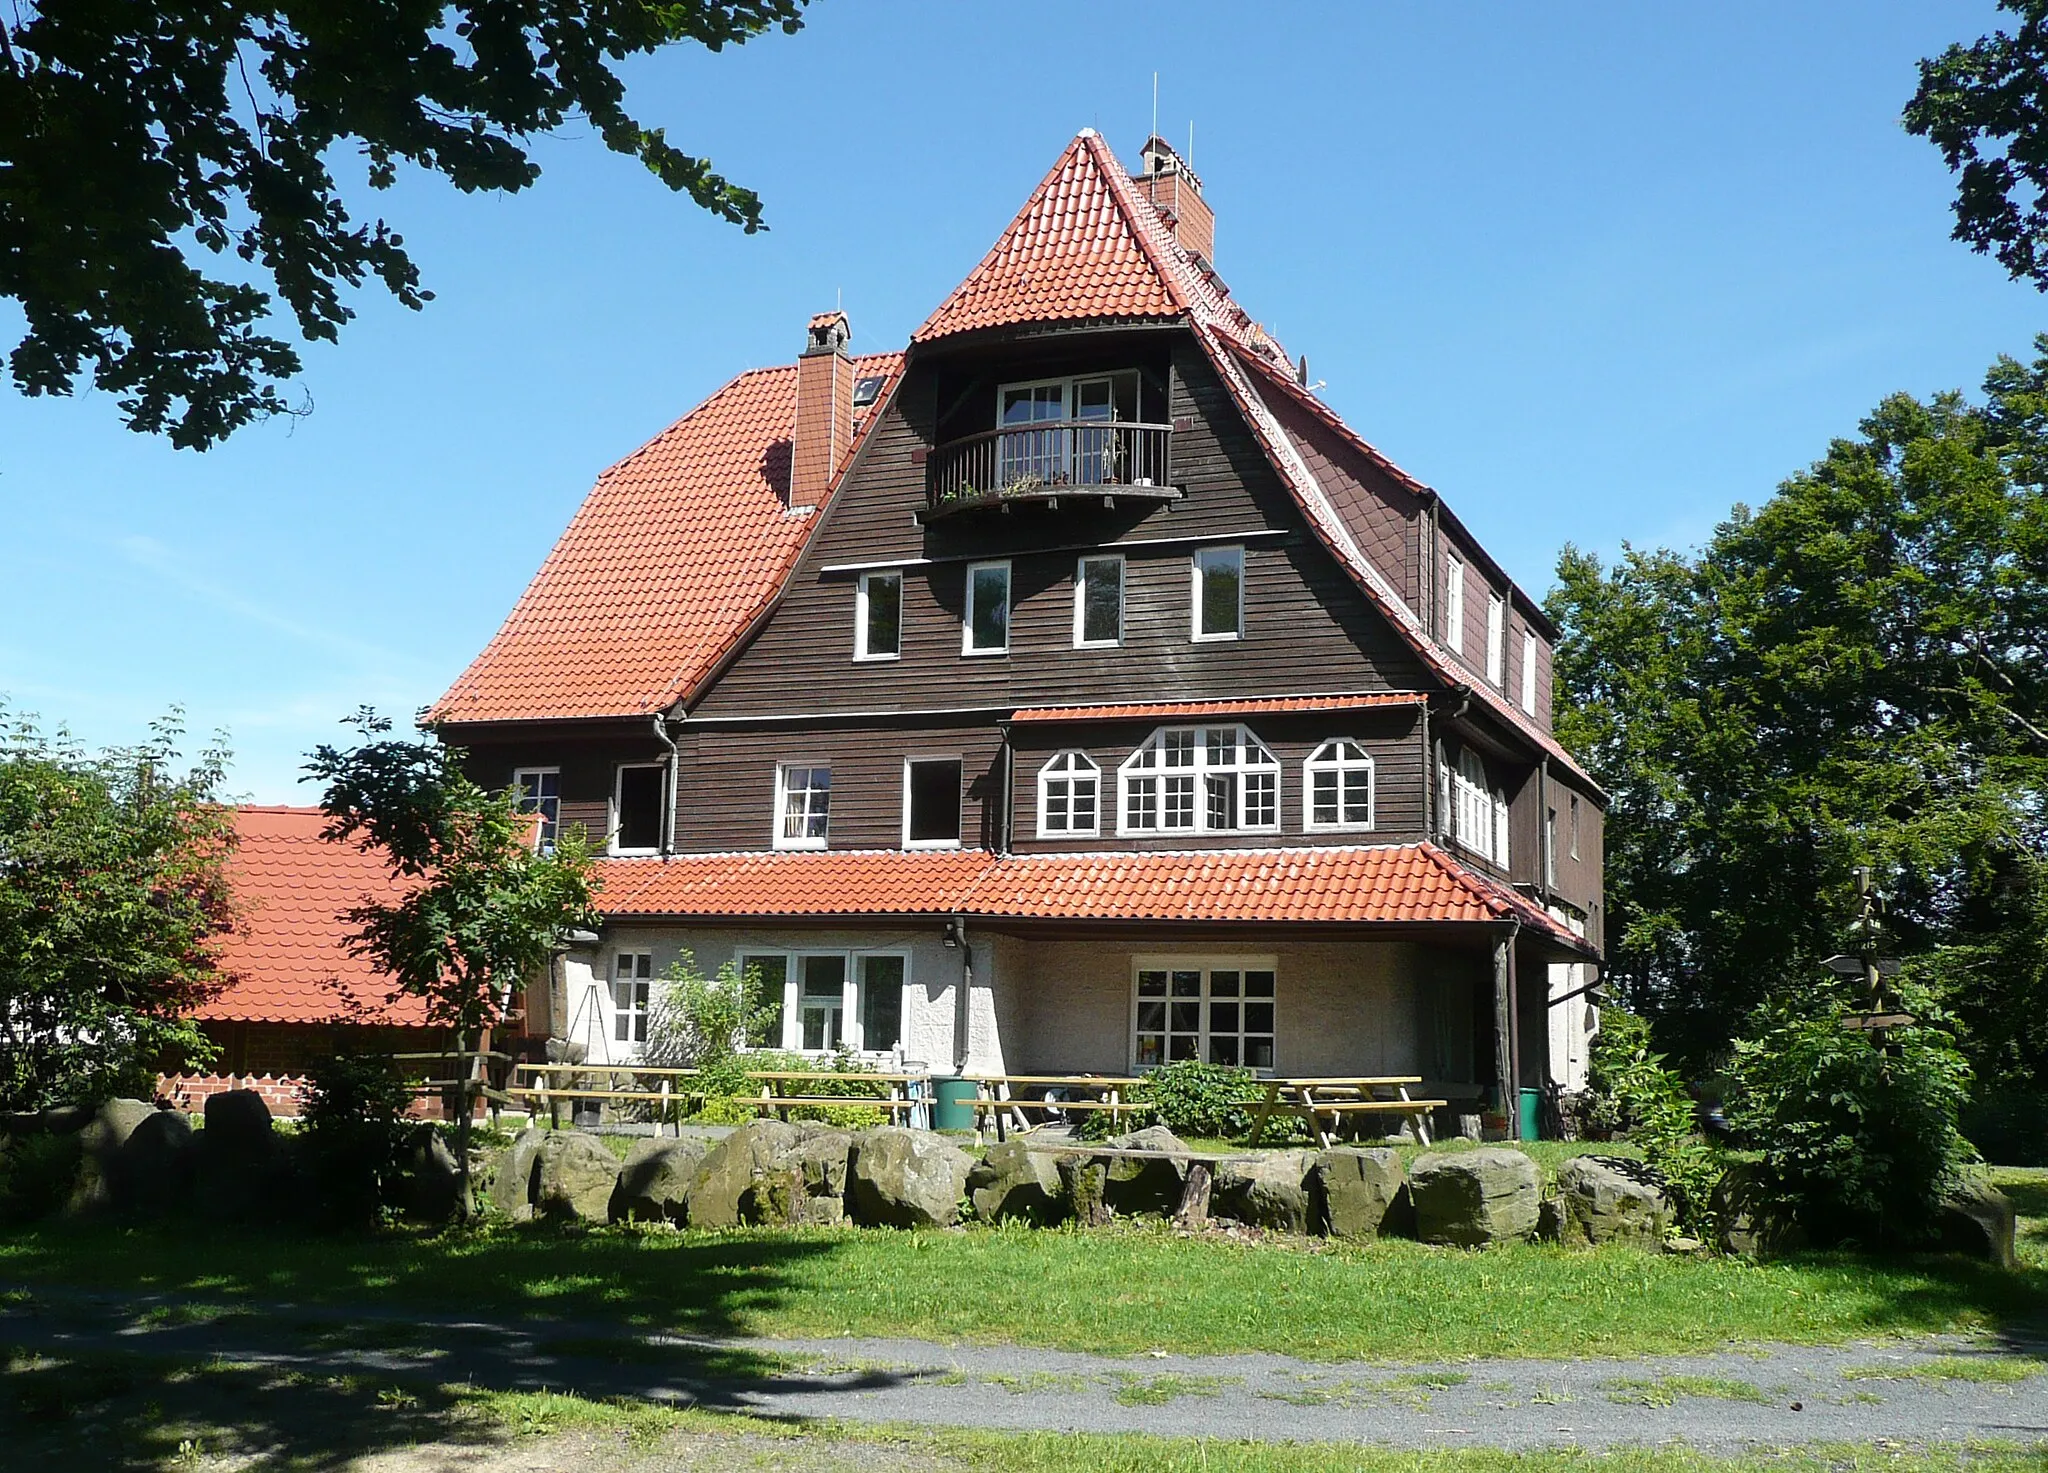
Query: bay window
(1200,779)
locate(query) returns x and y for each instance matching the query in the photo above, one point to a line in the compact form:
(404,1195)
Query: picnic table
(1343,1098)
(995,1096)
(780,1090)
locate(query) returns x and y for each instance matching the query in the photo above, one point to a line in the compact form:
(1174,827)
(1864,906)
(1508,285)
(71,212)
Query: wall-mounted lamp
(954,932)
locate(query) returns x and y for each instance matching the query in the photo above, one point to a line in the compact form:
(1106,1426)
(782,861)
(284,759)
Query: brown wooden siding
(1382,514)
(589,770)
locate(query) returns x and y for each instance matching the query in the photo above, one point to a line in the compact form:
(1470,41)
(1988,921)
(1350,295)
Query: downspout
(1007,832)
(668,807)
(963,1010)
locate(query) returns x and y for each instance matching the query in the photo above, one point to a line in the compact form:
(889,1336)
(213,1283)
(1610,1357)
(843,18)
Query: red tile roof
(1386,884)
(669,560)
(289,948)
(1179,710)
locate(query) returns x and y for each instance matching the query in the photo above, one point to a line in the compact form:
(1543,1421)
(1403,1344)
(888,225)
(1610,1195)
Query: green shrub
(728,1093)
(37,1173)
(352,1125)
(1189,1097)
(1858,1145)
(1634,1093)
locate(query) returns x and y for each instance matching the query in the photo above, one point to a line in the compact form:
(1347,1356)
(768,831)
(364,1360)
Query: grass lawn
(1120,1290)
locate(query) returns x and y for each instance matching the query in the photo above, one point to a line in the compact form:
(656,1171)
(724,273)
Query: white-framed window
(1218,1009)
(803,805)
(637,792)
(1496,640)
(1218,593)
(1069,449)
(1574,807)
(1199,780)
(823,1001)
(986,628)
(1069,797)
(1480,813)
(1550,846)
(1454,603)
(1099,602)
(878,616)
(931,802)
(632,983)
(1529,671)
(1337,779)
(540,791)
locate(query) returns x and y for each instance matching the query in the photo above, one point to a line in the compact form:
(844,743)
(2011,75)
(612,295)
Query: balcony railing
(1050,459)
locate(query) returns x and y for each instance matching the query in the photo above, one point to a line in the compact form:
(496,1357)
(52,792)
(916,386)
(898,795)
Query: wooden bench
(906,1092)
(1335,1098)
(994,1097)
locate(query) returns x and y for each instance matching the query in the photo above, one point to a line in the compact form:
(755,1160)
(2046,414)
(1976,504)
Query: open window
(878,616)
(931,803)
(1069,797)
(821,1002)
(636,808)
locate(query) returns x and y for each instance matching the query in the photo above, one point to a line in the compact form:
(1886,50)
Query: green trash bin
(1531,1119)
(953,1107)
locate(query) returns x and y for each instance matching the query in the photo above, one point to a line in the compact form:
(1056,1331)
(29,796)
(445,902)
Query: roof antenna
(1191,143)
(1155,105)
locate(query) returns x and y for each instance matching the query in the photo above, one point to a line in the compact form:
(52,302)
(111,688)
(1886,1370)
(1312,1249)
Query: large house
(1069,691)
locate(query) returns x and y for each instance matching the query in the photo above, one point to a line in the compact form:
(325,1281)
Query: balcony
(1083,461)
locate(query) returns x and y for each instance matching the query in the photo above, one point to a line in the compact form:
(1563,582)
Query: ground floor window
(1216,1009)
(824,1001)
(632,981)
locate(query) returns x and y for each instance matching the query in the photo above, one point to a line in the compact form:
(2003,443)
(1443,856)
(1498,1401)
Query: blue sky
(1595,272)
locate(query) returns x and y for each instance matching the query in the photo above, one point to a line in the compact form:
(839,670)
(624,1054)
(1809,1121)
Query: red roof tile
(669,560)
(1178,710)
(289,948)
(1387,884)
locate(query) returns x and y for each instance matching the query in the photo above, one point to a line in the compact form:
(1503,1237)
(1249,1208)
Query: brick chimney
(1176,192)
(824,410)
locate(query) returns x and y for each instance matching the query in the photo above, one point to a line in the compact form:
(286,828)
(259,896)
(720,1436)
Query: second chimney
(824,410)
(1175,190)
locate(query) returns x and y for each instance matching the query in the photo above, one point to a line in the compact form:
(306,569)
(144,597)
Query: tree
(111,898)
(1855,673)
(136,141)
(1985,106)
(484,908)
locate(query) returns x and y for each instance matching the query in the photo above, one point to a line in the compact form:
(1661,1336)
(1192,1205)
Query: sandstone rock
(1362,1194)
(1977,1219)
(1141,1187)
(823,1156)
(430,1178)
(573,1177)
(512,1175)
(1608,1199)
(654,1184)
(748,1179)
(100,1141)
(1270,1191)
(238,1120)
(153,1169)
(1014,1182)
(906,1178)
(1749,1223)
(1473,1198)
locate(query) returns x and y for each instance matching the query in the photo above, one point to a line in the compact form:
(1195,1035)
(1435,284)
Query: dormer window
(1200,780)
(1060,444)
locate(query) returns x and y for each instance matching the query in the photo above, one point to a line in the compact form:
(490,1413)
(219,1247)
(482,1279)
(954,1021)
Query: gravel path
(1908,1392)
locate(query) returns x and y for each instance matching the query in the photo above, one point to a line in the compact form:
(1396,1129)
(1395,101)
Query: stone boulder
(239,1120)
(242,1169)
(654,1184)
(1015,1182)
(102,1175)
(1610,1199)
(1129,1187)
(1748,1221)
(823,1157)
(749,1180)
(1269,1191)
(573,1178)
(906,1178)
(512,1173)
(1976,1219)
(1470,1199)
(1362,1193)
(429,1177)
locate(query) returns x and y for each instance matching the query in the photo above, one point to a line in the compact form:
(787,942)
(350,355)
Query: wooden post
(1194,1197)
(1503,1022)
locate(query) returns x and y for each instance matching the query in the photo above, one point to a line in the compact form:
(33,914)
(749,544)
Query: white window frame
(1454,603)
(1317,762)
(633,1015)
(1529,671)
(782,771)
(967,646)
(1134,770)
(1480,819)
(1496,640)
(1574,806)
(861,652)
(612,830)
(550,821)
(1195,580)
(852,997)
(1550,846)
(1081,641)
(1206,964)
(1070,776)
(908,762)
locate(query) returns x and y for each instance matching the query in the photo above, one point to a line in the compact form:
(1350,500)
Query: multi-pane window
(1200,779)
(636,808)
(1069,796)
(1529,671)
(1223,1014)
(820,1002)
(1219,593)
(878,616)
(1099,601)
(632,982)
(540,791)
(1496,640)
(931,802)
(803,803)
(1480,814)
(1454,603)
(1061,431)
(1339,782)
(986,629)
